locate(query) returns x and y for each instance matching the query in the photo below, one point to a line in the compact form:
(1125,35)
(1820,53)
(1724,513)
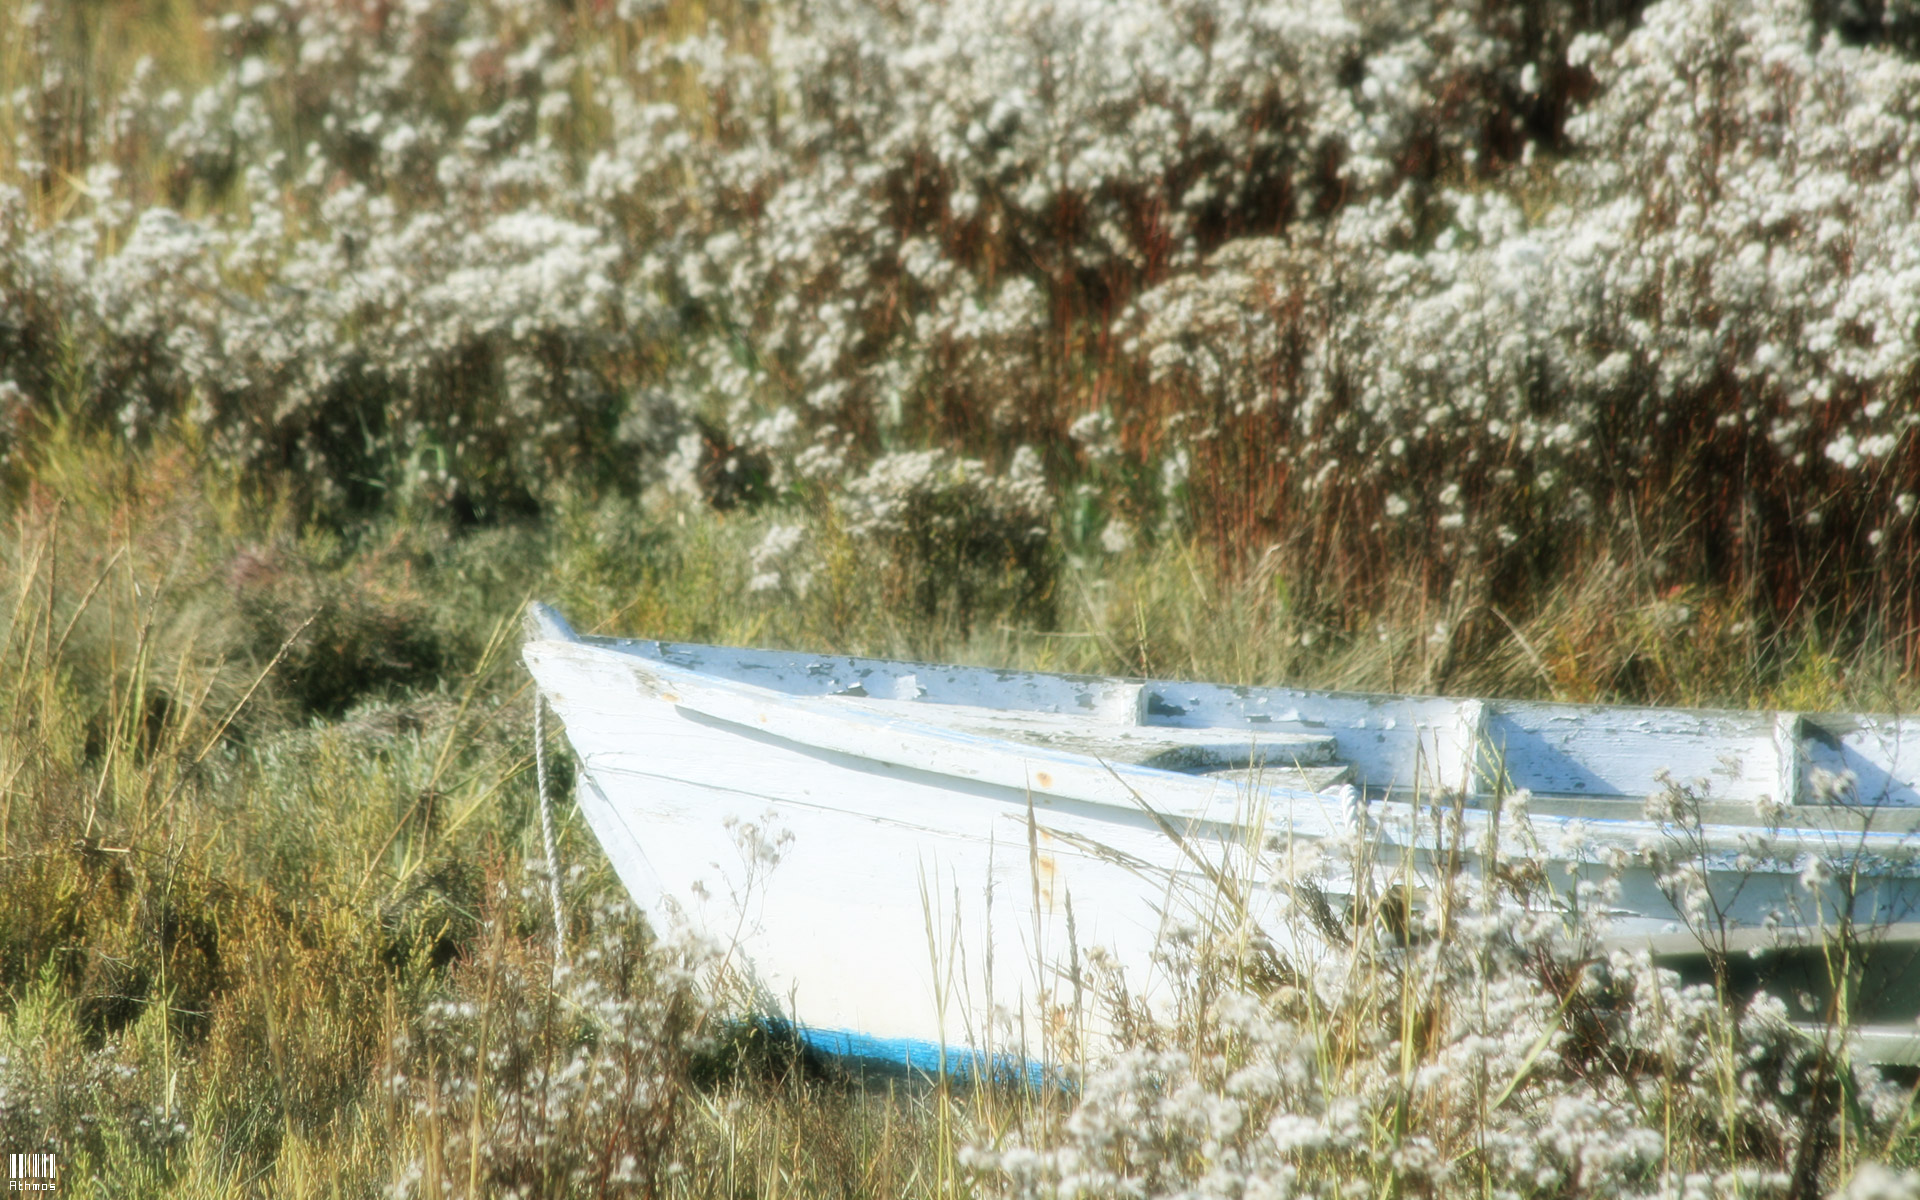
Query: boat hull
(867,901)
(901,892)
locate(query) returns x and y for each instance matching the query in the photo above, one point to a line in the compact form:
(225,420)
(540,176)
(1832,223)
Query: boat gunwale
(1387,818)
(660,650)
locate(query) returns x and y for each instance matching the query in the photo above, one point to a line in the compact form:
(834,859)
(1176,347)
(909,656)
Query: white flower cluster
(65,1095)
(1486,1045)
(399,286)
(934,494)
(951,201)
(1715,291)
(1456,277)
(884,213)
(957,537)
(570,1079)
(778,561)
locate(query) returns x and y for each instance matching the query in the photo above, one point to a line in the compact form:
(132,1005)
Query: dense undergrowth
(1432,309)
(1559,350)
(274,921)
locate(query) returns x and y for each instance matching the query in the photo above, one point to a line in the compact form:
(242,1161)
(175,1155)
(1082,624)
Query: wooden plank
(1162,747)
(1831,824)
(1605,752)
(1790,764)
(1284,775)
(1880,754)
(1395,744)
(896,740)
(1384,737)
(1476,774)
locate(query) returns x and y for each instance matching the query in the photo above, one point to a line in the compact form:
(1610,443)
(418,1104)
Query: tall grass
(213,909)
(331,332)
(273,920)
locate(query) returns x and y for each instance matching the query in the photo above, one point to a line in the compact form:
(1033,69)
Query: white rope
(546,830)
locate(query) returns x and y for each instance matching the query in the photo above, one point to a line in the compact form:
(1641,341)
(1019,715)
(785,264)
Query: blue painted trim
(916,1056)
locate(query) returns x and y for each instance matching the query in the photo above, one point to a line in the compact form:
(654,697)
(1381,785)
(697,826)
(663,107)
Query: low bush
(1460,297)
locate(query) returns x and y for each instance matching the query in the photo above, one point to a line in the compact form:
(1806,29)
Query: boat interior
(1735,767)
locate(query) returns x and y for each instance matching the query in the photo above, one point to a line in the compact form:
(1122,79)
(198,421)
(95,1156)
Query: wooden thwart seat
(1246,757)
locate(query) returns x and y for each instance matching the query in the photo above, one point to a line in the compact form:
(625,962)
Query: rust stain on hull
(1044,874)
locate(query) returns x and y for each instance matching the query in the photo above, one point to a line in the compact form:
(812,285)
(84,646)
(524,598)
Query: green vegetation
(267,803)
(271,907)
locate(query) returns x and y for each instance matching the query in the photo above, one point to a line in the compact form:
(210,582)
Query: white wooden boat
(907,859)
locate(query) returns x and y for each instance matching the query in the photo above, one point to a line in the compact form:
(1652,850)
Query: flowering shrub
(362,268)
(59,1091)
(532,1080)
(1487,1044)
(959,538)
(1479,287)
(1711,302)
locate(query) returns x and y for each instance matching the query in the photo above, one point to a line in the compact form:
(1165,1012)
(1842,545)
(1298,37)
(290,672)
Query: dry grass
(235,900)
(270,921)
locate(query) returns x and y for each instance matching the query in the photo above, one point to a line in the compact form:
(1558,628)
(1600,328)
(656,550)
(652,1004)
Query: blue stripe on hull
(915,1056)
